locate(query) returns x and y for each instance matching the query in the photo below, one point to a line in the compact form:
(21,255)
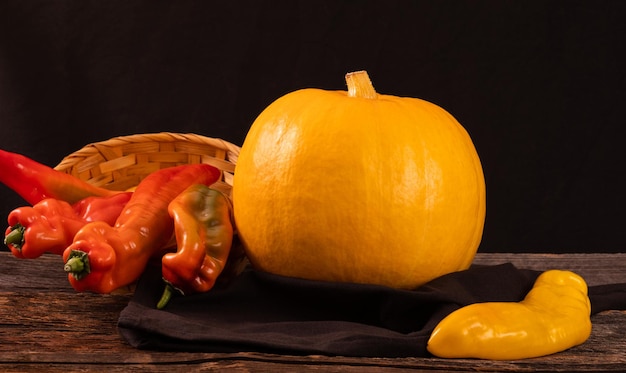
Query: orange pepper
(34,181)
(103,258)
(50,225)
(204,236)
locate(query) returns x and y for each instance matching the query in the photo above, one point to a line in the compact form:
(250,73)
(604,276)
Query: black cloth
(273,314)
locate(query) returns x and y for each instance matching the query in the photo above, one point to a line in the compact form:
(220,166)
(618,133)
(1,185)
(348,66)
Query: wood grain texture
(46,326)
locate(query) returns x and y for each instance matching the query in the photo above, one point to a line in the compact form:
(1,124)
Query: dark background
(539,85)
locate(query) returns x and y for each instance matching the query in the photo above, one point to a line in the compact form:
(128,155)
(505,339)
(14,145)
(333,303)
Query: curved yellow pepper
(554,316)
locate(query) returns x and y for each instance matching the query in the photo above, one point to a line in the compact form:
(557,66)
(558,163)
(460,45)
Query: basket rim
(231,148)
(82,161)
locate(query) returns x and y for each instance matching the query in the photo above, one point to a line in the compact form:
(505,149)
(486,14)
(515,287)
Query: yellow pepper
(554,316)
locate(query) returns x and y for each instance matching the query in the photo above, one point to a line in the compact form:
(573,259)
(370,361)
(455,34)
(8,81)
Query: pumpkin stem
(360,85)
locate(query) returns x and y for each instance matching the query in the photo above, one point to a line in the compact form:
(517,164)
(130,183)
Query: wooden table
(47,327)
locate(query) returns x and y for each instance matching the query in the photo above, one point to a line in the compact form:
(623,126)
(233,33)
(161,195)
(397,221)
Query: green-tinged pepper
(204,236)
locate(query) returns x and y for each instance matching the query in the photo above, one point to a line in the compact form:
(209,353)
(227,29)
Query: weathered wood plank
(596,269)
(47,272)
(602,352)
(46,325)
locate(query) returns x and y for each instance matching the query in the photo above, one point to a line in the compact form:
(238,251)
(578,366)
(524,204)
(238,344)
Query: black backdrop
(539,85)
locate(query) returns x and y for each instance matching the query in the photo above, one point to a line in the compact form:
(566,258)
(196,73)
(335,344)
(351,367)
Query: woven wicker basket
(122,162)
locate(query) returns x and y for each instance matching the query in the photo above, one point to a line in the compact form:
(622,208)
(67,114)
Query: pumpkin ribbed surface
(339,187)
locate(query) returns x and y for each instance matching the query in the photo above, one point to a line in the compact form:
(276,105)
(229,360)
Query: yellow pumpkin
(358,187)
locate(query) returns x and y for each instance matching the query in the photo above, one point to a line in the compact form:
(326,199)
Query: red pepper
(50,225)
(34,181)
(204,236)
(103,258)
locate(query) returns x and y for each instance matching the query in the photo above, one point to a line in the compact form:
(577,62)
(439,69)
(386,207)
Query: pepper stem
(165,298)
(360,85)
(77,264)
(168,292)
(74,265)
(15,238)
